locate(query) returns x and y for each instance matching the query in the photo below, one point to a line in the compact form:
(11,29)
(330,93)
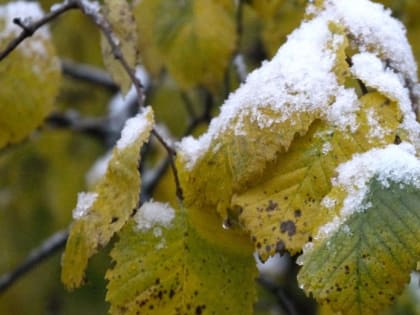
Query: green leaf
(121,18)
(190,266)
(101,214)
(195,39)
(30,77)
(364,265)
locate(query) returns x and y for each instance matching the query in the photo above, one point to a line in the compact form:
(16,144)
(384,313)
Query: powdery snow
(84,202)
(300,77)
(394,163)
(152,214)
(133,128)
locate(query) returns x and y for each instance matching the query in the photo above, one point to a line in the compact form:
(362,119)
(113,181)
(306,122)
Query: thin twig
(89,74)
(102,23)
(35,257)
(28,29)
(106,29)
(171,156)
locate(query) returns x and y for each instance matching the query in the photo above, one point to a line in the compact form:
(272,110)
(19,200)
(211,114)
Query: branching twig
(35,257)
(89,74)
(28,29)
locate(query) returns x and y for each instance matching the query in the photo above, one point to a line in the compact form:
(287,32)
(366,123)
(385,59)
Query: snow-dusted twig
(35,257)
(28,29)
(89,74)
(101,22)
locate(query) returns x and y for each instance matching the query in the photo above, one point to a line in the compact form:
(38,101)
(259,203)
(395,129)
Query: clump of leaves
(315,154)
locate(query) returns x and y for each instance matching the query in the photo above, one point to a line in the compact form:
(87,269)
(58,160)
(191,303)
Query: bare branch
(95,127)
(89,74)
(35,257)
(107,31)
(28,29)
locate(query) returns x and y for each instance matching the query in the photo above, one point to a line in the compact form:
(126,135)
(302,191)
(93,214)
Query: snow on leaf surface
(100,214)
(121,18)
(281,209)
(316,78)
(30,75)
(188,265)
(360,261)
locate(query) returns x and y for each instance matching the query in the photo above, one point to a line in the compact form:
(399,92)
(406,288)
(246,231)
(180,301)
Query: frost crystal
(152,214)
(301,78)
(133,128)
(84,202)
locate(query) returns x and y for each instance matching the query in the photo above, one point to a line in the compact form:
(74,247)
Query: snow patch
(301,78)
(394,163)
(152,214)
(85,200)
(133,128)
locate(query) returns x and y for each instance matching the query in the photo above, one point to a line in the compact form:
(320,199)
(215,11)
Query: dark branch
(171,157)
(88,74)
(95,127)
(28,29)
(35,257)
(107,31)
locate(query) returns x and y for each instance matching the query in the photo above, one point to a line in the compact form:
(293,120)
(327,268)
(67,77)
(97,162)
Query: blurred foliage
(188,48)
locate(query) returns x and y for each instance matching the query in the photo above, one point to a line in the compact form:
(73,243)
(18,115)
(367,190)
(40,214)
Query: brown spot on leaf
(298,213)
(289,227)
(397,139)
(271,205)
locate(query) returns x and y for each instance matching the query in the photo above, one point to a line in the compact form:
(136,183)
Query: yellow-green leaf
(100,214)
(188,266)
(124,31)
(361,262)
(195,39)
(30,76)
(281,210)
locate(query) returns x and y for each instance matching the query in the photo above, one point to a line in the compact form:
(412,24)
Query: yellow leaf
(188,266)
(100,214)
(194,38)
(30,77)
(241,143)
(281,210)
(121,18)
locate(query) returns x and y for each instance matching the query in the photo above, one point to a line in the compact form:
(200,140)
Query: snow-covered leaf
(100,214)
(360,261)
(187,264)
